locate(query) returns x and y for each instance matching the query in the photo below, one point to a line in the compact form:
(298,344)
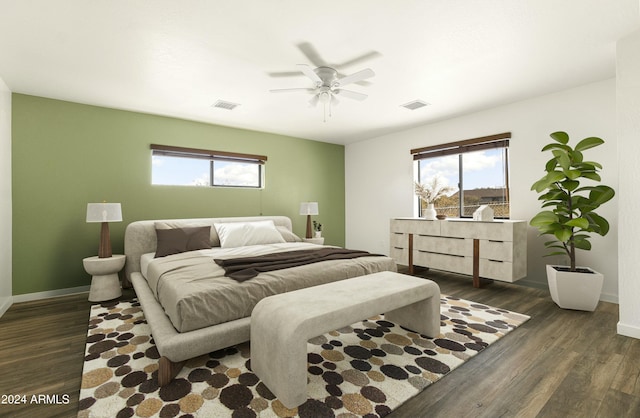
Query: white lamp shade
(104,212)
(309,208)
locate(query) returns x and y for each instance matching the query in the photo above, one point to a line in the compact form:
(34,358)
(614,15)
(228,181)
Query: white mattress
(144,263)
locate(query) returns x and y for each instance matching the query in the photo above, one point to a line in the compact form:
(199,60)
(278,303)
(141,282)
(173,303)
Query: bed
(192,307)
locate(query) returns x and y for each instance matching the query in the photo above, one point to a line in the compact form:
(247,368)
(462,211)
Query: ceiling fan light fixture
(324,97)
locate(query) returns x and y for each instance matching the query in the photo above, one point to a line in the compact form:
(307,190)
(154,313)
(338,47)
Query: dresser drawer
(496,250)
(455,263)
(415,226)
(400,255)
(443,245)
(495,269)
(400,240)
(499,231)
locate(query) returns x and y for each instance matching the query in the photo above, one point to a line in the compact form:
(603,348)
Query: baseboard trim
(533,284)
(27,297)
(628,330)
(604,297)
(5,304)
(608,297)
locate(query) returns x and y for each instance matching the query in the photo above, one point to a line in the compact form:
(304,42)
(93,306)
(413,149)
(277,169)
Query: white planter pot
(429,213)
(575,290)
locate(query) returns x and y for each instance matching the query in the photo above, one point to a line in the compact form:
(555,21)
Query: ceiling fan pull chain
(330,97)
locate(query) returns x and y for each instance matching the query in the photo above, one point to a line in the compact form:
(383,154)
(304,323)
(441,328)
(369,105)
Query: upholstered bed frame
(176,347)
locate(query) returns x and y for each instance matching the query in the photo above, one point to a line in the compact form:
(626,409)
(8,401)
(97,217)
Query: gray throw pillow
(179,240)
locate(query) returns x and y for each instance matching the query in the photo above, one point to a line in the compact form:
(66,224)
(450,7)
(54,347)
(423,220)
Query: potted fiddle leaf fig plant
(569,217)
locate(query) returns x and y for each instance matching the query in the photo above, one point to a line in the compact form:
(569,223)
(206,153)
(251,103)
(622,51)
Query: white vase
(575,290)
(318,234)
(429,213)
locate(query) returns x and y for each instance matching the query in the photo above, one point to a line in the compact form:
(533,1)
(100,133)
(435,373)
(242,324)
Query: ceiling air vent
(221,104)
(416,104)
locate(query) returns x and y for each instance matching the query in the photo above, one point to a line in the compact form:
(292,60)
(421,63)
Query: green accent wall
(65,155)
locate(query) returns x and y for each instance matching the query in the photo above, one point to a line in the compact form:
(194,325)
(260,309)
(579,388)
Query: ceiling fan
(328,86)
(313,56)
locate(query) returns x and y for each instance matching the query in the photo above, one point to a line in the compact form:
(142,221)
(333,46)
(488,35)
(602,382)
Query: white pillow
(239,234)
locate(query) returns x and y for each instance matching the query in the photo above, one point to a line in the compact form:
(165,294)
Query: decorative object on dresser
(569,218)
(492,250)
(429,192)
(104,213)
(483,213)
(309,208)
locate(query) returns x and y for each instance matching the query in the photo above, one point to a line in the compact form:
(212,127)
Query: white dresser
(493,250)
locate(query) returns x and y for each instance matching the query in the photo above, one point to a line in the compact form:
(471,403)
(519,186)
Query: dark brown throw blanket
(245,268)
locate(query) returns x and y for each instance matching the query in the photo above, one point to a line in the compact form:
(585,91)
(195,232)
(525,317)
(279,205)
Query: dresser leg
(411,269)
(476,263)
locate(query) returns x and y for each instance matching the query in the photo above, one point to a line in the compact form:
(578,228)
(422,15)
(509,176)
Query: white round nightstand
(318,241)
(105,284)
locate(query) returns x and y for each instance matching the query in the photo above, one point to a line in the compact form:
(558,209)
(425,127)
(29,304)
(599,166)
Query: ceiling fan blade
(357,60)
(314,100)
(292,90)
(363,83)
(312,55)
(308,71)
(355,77)
(351,94)
(284,74)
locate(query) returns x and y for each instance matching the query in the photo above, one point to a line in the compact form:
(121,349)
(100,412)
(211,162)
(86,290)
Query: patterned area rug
(363,370)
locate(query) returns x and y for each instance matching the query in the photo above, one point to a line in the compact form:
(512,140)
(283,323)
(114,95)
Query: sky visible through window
(482,169)
(195,172)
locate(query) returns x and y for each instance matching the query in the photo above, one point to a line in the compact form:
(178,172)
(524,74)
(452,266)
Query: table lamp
(105,213)
(309,208)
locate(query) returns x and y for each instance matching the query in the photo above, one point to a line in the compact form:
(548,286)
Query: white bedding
(218,252)
(145,259)
(194,292)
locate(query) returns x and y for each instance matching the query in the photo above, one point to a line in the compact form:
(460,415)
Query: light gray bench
(282,324)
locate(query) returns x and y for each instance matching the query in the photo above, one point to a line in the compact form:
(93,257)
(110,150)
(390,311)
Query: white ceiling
(177,58)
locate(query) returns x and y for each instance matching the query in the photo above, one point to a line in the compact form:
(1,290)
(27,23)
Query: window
(476,169)
(195,167)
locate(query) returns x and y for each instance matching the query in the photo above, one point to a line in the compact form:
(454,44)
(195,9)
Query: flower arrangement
(317,226)
(432,190)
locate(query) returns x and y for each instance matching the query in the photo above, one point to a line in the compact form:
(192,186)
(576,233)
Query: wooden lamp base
(308,227)
(104,250)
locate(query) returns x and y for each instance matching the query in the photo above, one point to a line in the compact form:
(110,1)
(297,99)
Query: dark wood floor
(558,364)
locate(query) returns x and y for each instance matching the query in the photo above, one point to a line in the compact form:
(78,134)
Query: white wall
(379,171)
(628,100)
(5,197)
